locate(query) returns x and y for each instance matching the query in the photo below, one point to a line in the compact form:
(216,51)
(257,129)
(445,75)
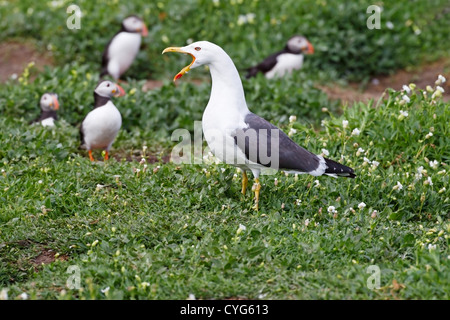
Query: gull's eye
(198,48)
(107,85)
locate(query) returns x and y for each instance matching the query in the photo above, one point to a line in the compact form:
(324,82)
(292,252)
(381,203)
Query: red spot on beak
(178,76)
(144,31)
(120,92)
(55,103)
(310,48)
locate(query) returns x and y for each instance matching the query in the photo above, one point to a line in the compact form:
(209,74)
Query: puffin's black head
(49,102)
(298,44)
(134,24)
(109,89)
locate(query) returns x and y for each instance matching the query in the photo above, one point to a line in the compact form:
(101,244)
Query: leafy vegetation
(151,229)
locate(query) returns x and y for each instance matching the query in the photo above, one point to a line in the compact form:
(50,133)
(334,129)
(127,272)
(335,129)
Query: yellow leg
(257,188)
(244,182)
(90,155)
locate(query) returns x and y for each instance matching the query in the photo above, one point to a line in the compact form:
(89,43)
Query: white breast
(286,63)
(100,127)
(49,122)
(122,51)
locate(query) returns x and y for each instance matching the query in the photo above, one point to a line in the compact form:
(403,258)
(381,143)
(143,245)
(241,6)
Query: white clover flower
(292,131)
(356,132)
(406,89)
(362,205)
(434,164)
(292,119)
(404,113)
(375,164)
(441,78)
(344,124)
(429,135)
(359,151)
(366,160)
(389,25)
(105,291)
(332,209)
(325,152)
(439,88)
(241,228)
(191,297)
(398,186)
(4,294)
(406,98)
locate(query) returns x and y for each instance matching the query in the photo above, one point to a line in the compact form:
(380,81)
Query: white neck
(227,91)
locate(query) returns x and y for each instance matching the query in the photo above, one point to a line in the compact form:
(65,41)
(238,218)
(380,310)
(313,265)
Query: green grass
(166,231)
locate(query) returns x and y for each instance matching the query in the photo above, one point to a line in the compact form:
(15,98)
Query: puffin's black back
(266,65)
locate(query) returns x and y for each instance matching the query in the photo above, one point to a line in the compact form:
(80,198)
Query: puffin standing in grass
(123,48)
(239,137)
(49,104)
(100,126)
(284,61)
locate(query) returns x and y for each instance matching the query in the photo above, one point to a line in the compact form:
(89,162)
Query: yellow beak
(185,69)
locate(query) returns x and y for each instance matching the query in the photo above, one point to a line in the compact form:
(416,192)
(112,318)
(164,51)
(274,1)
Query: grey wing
(261,141)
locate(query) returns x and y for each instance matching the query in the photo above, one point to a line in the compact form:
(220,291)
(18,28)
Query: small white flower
(4,294)
(428,181)
(306,222)
(191,297)
(332,209)
(292,131)
(406,98)
(375,164)
(406,89)
(105,291)
(431,247)
(362,205)
(242,19)
(344,124)
(298,202)
(145,284)
(356,132)
(440,89)
(40,181)
(441,78)
(317,183)
(144,148)
(251,17)
(366,160)
(389,25)
(434,164)
(404,113)
(14,76)
(24,296)
(325,152)
(440,191)
(398,186)
(292,119)
(429,135)
(359,151)
(241,228)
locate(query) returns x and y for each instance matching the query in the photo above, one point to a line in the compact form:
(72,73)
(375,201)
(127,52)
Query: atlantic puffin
(123,48)
(49,104)
(285,61)
(100,126)
(237,136)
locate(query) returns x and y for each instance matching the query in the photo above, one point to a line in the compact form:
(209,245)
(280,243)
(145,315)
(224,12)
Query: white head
(299,44)
(202,53)
(134,24)
(109,89)
(49,102)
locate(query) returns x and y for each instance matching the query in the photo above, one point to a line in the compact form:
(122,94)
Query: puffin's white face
(299,44)
(135,24)
(49,101)
(202,53)
(109,89)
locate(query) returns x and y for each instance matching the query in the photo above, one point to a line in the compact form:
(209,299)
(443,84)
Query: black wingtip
(338,169)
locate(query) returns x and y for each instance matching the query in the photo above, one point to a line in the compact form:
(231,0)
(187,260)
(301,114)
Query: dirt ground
(15,56)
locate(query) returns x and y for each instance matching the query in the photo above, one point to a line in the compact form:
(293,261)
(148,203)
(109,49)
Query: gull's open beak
(118,91)
(310,49)
(185,69)
(55,103)
(144,31)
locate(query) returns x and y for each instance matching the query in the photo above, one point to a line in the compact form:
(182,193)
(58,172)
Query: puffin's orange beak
(55,103)
(185,69)
(118,92)
(310,49)
(144,31)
